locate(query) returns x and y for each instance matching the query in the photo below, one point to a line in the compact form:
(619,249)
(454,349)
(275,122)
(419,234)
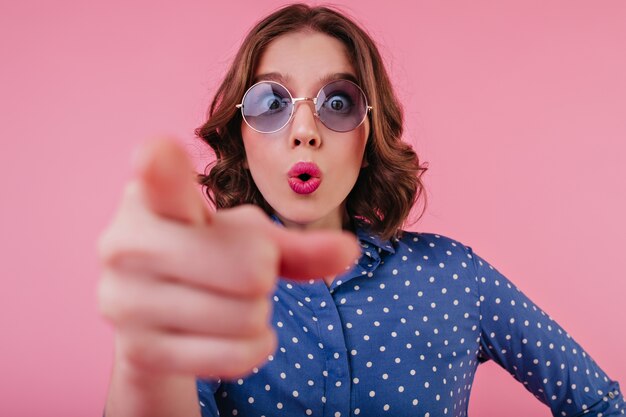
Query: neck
(340,222)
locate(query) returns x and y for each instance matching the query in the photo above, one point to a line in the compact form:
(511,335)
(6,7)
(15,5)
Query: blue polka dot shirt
(402,333)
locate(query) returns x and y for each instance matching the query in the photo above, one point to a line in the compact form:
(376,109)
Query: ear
(364,163)
(245,164)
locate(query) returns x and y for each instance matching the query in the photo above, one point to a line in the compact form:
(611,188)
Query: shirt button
(611,395)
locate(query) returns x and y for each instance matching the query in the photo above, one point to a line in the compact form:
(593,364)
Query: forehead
(304,60)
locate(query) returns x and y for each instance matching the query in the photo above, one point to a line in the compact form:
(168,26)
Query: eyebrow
(284,79)
(338,76)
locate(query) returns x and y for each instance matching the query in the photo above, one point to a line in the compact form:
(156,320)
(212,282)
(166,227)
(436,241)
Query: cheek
(347,156)
(259,153)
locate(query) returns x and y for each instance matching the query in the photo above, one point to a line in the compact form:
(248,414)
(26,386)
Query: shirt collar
(365,236)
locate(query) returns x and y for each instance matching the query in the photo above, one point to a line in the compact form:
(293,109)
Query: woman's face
(301,61)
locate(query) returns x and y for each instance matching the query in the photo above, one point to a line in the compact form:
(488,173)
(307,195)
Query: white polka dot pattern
(402,333)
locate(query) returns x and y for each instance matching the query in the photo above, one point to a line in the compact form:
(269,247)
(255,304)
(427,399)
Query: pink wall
(519,109)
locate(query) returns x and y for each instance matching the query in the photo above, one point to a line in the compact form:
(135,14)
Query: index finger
(315,254)
(302,255)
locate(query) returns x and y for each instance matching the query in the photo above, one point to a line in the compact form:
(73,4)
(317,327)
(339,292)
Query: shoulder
(435,264)
(426,248)
(437,253)
(441,253)
(431,243)
(433,253)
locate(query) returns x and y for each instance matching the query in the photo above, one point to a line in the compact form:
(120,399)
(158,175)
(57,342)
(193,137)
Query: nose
(304,129)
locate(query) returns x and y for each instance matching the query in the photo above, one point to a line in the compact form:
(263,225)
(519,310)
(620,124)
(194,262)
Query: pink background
(519,108)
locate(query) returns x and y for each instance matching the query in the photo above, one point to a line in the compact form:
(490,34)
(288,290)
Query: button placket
(337,376)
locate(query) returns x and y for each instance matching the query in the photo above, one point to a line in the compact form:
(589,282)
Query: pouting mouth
(304,171)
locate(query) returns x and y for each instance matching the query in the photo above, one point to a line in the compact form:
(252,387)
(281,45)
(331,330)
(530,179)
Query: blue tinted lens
(341,106)
(267,106)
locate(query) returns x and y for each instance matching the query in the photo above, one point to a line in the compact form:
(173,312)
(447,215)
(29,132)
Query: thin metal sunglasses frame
(295,100)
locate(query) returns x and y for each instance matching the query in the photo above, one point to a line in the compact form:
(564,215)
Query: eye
(338,102)
(270,103)
(273,103)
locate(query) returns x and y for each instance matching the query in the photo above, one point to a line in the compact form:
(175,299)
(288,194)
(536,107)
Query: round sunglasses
(268,106)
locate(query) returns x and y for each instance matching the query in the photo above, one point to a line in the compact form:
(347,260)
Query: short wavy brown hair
(385,190)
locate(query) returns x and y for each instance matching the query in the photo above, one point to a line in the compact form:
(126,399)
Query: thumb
(168,179)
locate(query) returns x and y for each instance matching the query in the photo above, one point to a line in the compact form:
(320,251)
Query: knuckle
(266,346)
(256,321)
(112,247)
(258,282)
(258,351)
(245,356)
(115,302)
(124,251)
(148,352)
(261,267)
(139,353)
(124,312)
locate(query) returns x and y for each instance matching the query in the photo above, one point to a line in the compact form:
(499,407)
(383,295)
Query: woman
(306,127)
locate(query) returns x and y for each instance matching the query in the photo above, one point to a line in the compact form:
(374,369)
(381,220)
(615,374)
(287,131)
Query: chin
(309,215)
(299,218)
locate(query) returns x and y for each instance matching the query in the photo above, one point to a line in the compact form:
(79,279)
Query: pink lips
(304,177)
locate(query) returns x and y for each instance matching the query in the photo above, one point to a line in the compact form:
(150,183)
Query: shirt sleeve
(206,396)
(537,352)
